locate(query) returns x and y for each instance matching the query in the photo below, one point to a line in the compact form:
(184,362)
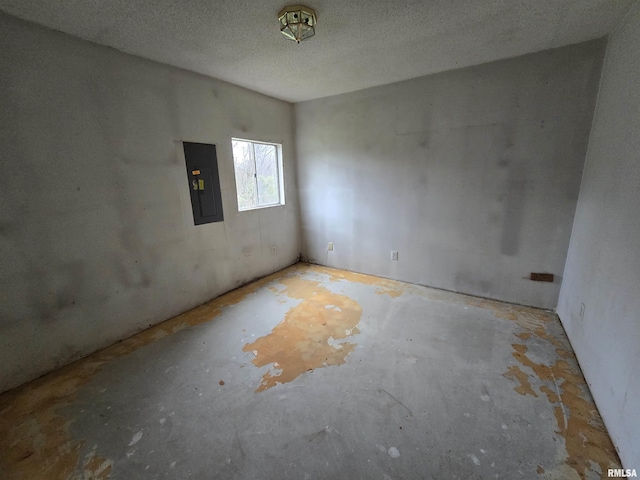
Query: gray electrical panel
(204,182)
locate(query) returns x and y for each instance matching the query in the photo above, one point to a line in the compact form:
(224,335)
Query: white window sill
(260,207)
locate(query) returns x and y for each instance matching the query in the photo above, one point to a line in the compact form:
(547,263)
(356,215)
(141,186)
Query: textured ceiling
(358,43)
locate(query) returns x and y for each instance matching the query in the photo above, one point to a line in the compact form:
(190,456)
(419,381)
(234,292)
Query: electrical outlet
(394,255)
(274,250)
(330,247)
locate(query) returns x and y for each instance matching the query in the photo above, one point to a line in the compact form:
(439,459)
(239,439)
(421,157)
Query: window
(258,168)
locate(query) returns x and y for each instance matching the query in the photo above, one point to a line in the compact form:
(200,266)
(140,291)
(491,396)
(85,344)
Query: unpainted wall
(600,298)
(96,231)
(471,175)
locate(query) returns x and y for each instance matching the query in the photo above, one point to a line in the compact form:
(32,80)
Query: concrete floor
(315,373)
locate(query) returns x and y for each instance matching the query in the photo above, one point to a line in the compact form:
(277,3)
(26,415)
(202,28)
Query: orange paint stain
(34,437)
(97,468)
(551,395)
(303,341)
(577,418)
(523,335)
(564,353)
(514,373)
(35,441)
(533,320)
(387,291)
(386,286)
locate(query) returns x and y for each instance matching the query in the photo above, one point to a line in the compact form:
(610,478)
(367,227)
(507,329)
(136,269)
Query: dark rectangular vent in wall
(204,182)
(542,277)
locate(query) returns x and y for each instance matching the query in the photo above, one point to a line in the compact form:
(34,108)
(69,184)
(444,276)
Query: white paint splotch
(136,438)
(393,452)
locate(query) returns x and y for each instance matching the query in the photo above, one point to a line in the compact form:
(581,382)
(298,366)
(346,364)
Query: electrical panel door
(204,182)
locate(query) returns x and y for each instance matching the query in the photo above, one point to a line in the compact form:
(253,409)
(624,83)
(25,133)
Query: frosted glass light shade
(297,22)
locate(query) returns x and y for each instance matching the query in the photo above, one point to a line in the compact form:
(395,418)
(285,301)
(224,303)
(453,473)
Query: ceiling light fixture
(297,22)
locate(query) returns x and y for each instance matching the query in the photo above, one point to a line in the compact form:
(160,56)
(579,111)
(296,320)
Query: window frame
(279,173)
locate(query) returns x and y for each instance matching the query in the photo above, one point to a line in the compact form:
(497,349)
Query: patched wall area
(472,175)
(97,234)
(600,299)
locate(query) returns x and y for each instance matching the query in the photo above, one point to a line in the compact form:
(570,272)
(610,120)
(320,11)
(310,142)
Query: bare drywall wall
(600,298)
(471,175)
(97,235)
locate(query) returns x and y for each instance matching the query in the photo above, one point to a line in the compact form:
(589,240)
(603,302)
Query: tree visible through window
(258,173)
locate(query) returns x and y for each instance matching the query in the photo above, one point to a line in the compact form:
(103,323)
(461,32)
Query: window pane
(267,173)
(245,174)
(258,171)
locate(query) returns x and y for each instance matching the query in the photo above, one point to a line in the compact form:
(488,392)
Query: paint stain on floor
(34,436)
(587,442)
(577,418)
(307,337)
(35,441)
(515,373)
(384,285)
